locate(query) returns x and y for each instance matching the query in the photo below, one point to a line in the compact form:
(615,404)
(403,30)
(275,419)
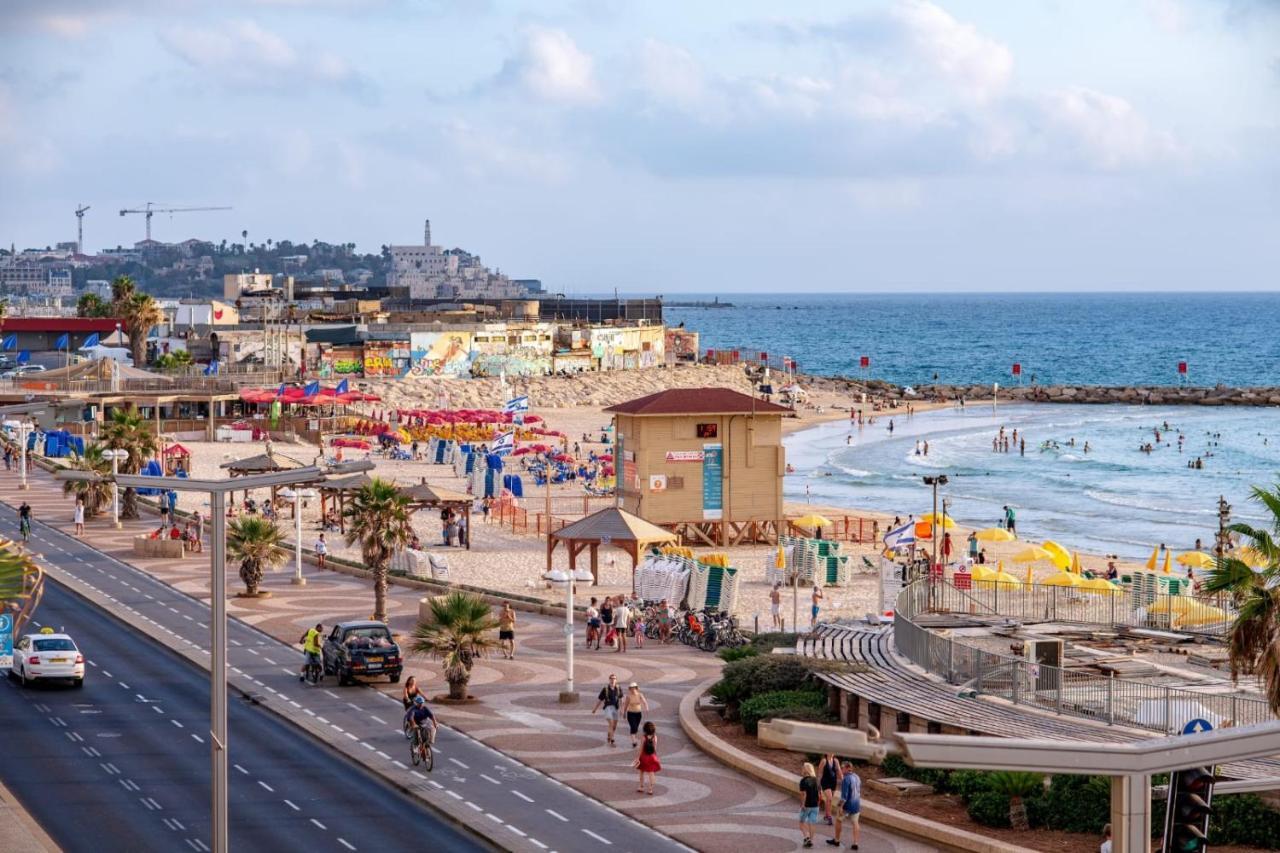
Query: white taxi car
(46,657)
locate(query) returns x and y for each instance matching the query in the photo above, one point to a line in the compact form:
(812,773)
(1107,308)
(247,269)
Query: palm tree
(92,305)
(139,316)
(378,518)
(128,431)
(1253,640)
(460,630)
(258,544)
(123,288)
(1017,786)
(21,583)
(96,494)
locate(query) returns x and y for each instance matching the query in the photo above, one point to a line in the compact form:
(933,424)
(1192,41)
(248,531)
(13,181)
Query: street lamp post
(115,456)
(24,429)
(935,482)
(217,491)
(297,495)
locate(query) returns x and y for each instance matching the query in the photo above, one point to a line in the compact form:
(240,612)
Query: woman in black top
(606,618)
(828,782)
(809,799)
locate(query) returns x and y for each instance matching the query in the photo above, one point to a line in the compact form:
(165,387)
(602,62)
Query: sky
(663,147)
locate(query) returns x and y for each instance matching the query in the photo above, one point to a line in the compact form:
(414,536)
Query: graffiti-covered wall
(439,354)
(515,351)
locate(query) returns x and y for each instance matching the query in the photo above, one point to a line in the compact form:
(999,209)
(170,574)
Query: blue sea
(1114,499)
(1105,339)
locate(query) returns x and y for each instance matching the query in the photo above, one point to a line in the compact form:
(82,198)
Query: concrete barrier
(799,736)
(145,546)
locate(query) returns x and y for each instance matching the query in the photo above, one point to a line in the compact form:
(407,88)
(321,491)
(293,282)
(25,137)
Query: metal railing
(1156,707)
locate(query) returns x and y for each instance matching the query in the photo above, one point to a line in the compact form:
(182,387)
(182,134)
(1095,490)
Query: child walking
(647,758)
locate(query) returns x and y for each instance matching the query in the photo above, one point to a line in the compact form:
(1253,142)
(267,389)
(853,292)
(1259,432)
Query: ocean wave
(852,472)
(1132,502)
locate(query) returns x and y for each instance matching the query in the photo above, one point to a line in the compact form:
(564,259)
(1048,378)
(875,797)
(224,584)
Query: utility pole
(1224,518)
(935,482)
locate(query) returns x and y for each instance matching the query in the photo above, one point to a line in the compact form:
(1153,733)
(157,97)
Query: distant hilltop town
(56,277)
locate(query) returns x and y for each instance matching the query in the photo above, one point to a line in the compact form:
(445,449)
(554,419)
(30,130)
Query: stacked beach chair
(664,576)
(810,559)
(713,584)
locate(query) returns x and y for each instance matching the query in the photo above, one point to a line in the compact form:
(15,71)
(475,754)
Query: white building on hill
(431,272)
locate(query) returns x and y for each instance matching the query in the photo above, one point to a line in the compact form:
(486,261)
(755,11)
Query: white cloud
(1168,15)
(244,54)
(1106,131)
(978,65)
(550,66)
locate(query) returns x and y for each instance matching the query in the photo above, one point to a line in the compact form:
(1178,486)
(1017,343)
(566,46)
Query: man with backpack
(609,698)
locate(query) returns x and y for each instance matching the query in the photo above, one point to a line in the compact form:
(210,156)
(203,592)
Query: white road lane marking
(176,723)
(292,806)
(556,815)
(346,844)
(522,796)
(460,764)
(265,785)
(198,738)
(472,805)
(241,769)
(318,823)
(599,838)
(490,779)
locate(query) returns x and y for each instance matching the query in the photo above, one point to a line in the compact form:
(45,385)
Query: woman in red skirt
(647,757)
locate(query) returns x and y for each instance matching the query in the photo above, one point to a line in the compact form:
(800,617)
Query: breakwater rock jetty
(1166,395)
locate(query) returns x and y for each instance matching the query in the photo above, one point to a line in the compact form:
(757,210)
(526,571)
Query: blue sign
(712,481)
(1195,727)
(6,640)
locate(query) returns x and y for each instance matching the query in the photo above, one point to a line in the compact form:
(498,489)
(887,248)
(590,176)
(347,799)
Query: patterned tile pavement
(698,801)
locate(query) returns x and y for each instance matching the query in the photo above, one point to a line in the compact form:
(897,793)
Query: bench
(145,546)
(815,737)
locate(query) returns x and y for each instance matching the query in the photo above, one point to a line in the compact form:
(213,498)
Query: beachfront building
(705,462)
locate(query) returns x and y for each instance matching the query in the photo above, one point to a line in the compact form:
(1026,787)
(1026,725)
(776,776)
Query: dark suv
(361,650)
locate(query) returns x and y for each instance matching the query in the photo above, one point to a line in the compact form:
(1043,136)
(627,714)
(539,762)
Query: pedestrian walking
(621,619)
(647,758)
(809,798)
(463,531)
(197,524)
(593,624)
(850,806)
(946,547)
(610,696)
(79,516)
(828,783)
(1106,840)
(1010,520)
(775,605)
(973,545)
(636,705)
(322,550)
(606,620)
(507,631)
(814,606)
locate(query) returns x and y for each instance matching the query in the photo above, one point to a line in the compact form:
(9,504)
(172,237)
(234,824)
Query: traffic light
(1186,823)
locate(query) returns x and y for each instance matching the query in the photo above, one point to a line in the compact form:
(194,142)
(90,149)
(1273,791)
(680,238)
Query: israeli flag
(10,342)
(280,390)
(312,389)
(63,342)
(517,404)
(504,444)
(91,341)
(518,419)
(343,387)
(24,356)
(901,536)
(211,369)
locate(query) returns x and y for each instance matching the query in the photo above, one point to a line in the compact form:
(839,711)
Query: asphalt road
(471,782)
(123,763)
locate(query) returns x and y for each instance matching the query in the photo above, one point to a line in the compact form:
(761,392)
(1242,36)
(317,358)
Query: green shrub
(784,704)
(966,783)
(1244,819)
(751,676)
(895,766)
(729,654)
(990,808)
(1078,803)
(770,640)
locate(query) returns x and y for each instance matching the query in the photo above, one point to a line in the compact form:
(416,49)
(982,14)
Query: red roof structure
(59,324)
(698,401)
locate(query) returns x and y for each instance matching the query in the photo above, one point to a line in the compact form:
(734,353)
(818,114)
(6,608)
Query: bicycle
(420,748)
(24,527)
(312,672)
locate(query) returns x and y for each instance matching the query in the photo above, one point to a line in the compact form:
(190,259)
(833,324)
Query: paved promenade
(698,801)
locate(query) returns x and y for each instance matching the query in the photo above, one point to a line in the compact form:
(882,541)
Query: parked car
(23,370)
(361,650)
(41,657)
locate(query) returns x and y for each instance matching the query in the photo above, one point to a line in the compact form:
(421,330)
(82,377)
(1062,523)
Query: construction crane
(80,211)
(149,210)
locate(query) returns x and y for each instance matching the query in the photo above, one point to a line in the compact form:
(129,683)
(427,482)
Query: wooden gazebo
(611,526)
(338,490)
(263,463)
(427,496)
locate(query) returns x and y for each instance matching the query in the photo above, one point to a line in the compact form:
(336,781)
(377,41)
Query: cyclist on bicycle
(311,650)
(422,718)
(24,520)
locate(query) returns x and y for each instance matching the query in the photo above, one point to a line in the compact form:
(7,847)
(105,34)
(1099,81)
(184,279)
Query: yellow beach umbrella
(1006,578)
(780,559)
(1098,586)
(983,573)
(1030,578)
(1032,554)
(1168,562)
(812,521)
(1252,556)
(994,534)
(1196,560)
(1186,611)
(1151,561)
(1076,568)
(1061,579)
(1061,556)
(943,521)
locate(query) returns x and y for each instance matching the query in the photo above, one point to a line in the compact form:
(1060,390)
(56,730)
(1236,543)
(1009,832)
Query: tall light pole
(217,491)
(115,456)
(24,429)
(935,482)
(298,495)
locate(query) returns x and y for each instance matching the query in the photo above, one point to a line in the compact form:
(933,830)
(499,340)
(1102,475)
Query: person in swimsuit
(636,705)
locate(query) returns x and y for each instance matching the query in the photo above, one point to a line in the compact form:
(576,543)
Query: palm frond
(1229,575)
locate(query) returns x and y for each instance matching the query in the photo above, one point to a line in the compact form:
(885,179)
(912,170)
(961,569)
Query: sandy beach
(501,559)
